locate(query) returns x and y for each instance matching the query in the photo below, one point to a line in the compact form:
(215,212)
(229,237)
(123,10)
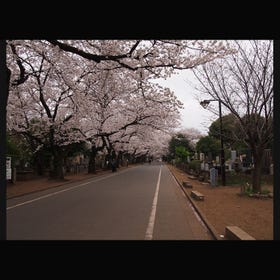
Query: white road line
(68,189)
(150,228)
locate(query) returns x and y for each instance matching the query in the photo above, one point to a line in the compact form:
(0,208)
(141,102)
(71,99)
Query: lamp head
(204,103)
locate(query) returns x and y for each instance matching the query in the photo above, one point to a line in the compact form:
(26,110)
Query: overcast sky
(193,115)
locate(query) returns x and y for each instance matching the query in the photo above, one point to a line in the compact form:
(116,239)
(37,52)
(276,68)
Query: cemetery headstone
(217,159)
(233,155)
(201,156)
(213,177)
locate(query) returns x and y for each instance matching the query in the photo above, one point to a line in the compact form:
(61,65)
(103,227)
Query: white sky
(193,115)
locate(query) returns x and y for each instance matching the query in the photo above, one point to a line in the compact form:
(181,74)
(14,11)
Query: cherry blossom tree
(148,142)
(66,91)
(43,107)
(116,106)
(192,134)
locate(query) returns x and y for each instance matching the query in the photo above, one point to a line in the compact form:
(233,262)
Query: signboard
(8,162)
(9,174)
(8,168)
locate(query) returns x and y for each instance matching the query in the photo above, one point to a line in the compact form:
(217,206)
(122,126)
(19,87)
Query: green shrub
(195,165)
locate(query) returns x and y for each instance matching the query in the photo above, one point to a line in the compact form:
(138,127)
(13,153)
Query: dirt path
(223,206)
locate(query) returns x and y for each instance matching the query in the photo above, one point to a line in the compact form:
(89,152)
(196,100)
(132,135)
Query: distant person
(114,165)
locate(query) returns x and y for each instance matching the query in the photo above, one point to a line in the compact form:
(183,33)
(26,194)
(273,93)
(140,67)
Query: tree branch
(90,56)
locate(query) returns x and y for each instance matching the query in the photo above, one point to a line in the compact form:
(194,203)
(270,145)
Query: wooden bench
(186,184)
(197,195)
(200,178)
(236,233)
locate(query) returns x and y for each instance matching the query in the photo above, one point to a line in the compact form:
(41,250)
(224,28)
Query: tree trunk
(57,166)
(114,160)
(39,163)
(256,176)
(91,164)
(119,159)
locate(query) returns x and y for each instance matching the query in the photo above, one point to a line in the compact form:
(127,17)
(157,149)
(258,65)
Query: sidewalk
(180,176)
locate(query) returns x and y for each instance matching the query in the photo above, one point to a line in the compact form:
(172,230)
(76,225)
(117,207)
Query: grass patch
(238,179)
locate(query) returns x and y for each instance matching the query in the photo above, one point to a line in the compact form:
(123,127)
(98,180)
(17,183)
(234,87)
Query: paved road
(139,203)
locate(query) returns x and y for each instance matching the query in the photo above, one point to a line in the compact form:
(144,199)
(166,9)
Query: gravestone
(233,155)
(213,176)
(217,159)
(201,156)
(202,166)
(232,160)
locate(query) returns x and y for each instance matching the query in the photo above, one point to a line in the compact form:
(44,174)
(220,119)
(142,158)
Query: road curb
(198,210)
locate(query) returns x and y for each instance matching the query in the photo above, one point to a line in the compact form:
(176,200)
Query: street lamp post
(204,104)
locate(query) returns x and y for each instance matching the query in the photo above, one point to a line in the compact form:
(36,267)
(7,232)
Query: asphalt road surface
(138,203)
